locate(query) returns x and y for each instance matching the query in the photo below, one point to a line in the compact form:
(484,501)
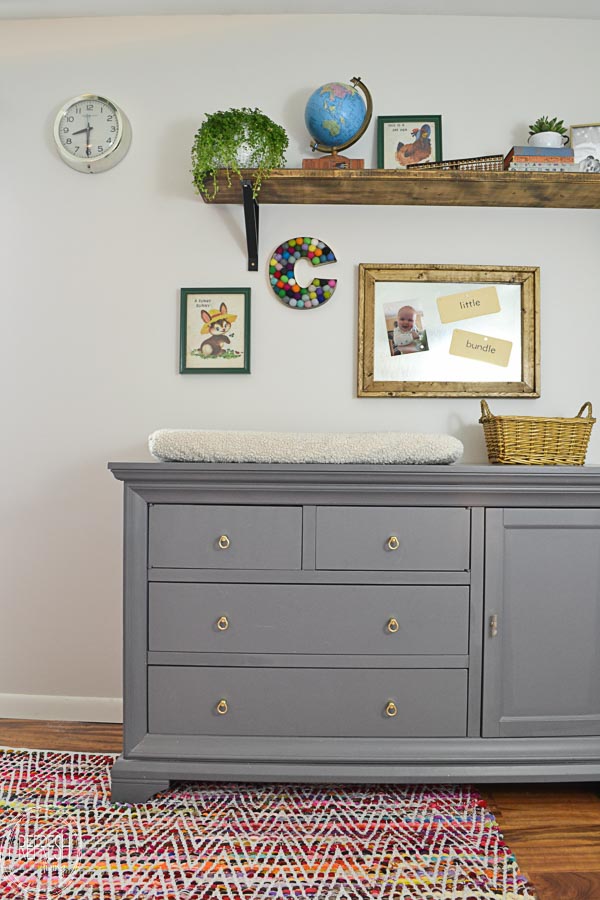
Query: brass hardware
(392,626)
(222,707)
(224,542)
(391,709)
(223,623)
(494,626)
(393,543)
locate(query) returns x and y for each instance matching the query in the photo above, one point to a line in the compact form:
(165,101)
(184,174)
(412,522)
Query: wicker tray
(536,440)
(474,164)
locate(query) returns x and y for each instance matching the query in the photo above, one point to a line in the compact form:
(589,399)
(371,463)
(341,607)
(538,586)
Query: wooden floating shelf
(379,187)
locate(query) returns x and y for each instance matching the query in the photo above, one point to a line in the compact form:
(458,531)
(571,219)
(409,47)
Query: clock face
(91,133)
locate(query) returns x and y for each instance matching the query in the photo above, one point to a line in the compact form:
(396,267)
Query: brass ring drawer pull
(393,626)
(393,543)
(223,623)
(222,707)
(391,709)
(224,542)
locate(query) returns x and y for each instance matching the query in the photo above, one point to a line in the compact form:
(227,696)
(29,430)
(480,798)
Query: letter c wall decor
(283,278)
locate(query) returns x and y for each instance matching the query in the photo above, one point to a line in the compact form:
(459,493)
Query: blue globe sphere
(334,114)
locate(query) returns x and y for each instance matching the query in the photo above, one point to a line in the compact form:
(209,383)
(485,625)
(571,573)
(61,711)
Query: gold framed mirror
(448,331)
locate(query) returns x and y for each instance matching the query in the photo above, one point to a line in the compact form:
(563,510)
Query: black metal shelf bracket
(251,219)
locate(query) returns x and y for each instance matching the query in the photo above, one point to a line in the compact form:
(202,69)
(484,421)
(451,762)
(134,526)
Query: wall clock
(92,134)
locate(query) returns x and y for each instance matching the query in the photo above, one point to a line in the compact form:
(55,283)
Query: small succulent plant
(544,123)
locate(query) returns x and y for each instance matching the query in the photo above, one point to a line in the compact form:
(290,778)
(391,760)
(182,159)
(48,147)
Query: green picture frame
(416,134)
(214,331)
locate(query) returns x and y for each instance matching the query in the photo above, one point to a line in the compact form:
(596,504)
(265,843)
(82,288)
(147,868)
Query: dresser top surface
(584,478)
(460,468)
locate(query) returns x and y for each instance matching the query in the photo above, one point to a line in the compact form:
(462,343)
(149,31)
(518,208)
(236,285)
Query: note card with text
(468,304)
(481,347)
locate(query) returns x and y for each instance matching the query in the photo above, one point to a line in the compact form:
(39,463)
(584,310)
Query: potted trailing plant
(236,139)
(546,132)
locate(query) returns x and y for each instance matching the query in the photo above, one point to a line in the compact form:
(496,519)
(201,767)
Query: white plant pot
(244,155)
(547,139)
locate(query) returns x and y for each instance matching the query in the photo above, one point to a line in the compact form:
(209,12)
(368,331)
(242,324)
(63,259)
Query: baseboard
(65,709)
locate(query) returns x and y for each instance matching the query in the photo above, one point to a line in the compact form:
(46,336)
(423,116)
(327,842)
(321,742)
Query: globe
(336,115)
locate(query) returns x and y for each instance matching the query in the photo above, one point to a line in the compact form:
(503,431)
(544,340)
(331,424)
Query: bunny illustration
(217,322)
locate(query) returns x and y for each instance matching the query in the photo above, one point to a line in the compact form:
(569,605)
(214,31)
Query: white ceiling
(40,9)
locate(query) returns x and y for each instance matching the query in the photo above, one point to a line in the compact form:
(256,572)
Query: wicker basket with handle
(537,440)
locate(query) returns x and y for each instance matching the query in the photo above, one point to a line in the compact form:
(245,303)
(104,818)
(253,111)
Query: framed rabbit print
(214,335)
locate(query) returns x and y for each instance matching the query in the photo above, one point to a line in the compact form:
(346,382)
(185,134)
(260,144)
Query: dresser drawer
(393,538)
(225,537)
(275,618)
(307,702)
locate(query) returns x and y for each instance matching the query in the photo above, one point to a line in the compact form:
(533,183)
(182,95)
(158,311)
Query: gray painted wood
(476,620)
(424,772)
(357,751)
(260,537)
(304,576)
(553,510)
(318,702)
(542,670)
(309,661)
(429,539)
(309,537)
(135,618)
(327,619)
(127,790)
(368,485)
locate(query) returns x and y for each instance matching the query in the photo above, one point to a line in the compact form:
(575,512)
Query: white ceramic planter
(547,139)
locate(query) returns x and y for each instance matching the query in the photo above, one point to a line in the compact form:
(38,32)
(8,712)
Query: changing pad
(191,445)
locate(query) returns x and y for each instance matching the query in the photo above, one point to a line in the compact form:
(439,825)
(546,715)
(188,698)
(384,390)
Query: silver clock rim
(114,153)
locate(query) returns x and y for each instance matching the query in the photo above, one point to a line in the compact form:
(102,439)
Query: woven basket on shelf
(537,440)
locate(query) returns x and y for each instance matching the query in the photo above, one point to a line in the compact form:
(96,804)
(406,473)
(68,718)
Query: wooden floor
(554,830)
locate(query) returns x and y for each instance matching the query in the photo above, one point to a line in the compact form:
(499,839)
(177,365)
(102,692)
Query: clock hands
(87,130)
(88,146)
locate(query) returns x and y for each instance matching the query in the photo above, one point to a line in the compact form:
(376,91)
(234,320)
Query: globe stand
(333,160)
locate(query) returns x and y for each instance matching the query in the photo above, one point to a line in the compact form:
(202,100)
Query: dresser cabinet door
(542,639)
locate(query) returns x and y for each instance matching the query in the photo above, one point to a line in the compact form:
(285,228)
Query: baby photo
(405,329)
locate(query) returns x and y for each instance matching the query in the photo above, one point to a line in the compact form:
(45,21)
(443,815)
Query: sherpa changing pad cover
(191,445)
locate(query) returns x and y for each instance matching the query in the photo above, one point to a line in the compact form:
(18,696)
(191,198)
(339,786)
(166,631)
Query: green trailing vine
(219,138)
(546,124)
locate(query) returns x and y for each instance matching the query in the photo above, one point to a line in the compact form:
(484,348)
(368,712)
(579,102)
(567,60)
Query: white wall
(91,268)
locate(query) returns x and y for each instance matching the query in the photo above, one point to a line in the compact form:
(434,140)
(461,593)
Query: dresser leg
(137,791)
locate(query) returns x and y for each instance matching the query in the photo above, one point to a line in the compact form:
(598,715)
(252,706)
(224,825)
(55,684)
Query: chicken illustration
(419,150)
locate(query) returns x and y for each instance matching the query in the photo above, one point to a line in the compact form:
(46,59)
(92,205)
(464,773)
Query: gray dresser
(359,623)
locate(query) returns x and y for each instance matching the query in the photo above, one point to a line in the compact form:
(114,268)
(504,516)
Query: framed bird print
(214,331)
(408,140)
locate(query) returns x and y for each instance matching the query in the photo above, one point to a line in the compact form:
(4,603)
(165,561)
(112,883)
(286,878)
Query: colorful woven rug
(61,838)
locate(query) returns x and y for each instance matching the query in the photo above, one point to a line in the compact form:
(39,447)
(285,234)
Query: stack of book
(540,159)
